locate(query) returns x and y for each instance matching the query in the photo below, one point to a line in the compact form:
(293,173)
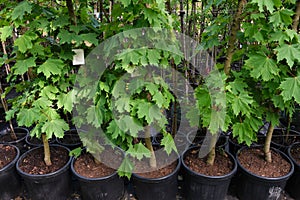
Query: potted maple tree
(263,86)
(126,95)
(42,56)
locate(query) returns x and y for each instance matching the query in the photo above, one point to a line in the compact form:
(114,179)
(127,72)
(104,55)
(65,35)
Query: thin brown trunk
(296,17)
(71,11)
(267,151)
(148,142)
(232,39)
(47,156)
(212,153)
(5,107)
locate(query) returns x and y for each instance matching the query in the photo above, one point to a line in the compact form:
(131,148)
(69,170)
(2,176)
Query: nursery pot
(199,186)
(282,142)
(110,187)
(33,142)
(51,186)
(252,186)
(71,139)
(9,179)
(293,183)
(162,188)
(21,134)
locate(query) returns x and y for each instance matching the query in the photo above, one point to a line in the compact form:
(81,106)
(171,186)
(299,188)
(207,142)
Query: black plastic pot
(10,181)
(52,186)
(33,142)
(21,133)
(199,186)
(163,188)
(110,187)
(251,186)
(282,142)
(71,139)
(293,183)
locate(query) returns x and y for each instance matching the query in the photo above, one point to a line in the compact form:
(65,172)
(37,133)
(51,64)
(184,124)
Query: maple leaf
(288,52)
(282,17)
(126,168)
(56,127)
(241,104)
(139,151)
(291,89)
(262,66)
(269,4)
(24,43)
(22,66)
(168,143)
(6,32)
(20,10)
(51,66)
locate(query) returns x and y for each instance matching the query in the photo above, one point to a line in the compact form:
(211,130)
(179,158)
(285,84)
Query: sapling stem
(5,107)
(267,151)
(152,161)
(296,17)
(212,146)
(47,156)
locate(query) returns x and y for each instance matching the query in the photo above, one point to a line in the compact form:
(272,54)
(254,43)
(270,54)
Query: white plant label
(78,58)
(274,193)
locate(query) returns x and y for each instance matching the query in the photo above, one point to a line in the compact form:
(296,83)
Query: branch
(71,12)
(232,39)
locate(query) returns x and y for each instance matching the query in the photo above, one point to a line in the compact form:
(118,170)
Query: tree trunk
(212,146)
(5,107)
(267,151)
(232,39)
(71,12)
(47,157)
(152,161)
(296,17)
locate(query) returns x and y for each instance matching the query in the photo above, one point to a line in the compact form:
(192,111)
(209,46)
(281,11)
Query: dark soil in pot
(9,179)
(42,181)
(259,179)
(223,165)
(99,179)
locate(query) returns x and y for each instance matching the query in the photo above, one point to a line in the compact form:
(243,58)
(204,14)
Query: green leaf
(6,32)
(288,52)
(22,66)
(42,102)
(65,101)
(67,37)
(143,108)
(128,123)
(49,92)
(282,17)
(261,66)
(243,132)
(90,37)
(241,104)
(51,66)
(27,117)
(122,104)
(139,151)
(56,127)
(93,118)
(153,56)
(168,143)
(126,168)
(24,43)
(291,89)
(20,10)
(268,4)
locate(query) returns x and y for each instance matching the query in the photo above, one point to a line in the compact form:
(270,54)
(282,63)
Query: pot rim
(39,176)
